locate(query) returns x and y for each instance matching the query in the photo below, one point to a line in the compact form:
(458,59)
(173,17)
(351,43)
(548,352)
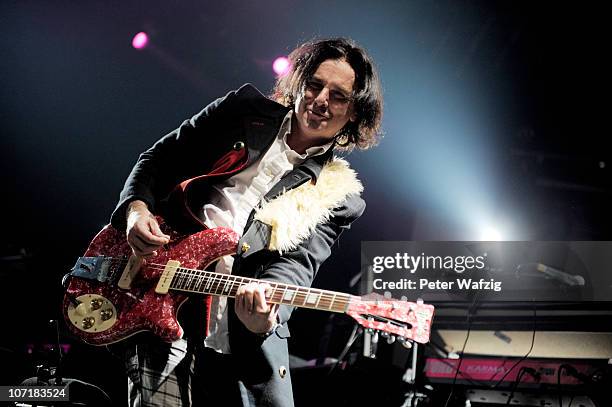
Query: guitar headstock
(402,319)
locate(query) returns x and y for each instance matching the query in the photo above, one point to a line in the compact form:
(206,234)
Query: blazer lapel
(260,133)
(309,170)
(256,235)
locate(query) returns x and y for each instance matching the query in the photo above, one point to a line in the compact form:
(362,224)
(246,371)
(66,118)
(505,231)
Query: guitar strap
(229,163)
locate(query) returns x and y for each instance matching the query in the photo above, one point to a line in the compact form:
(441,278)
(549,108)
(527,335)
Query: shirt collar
(293,156)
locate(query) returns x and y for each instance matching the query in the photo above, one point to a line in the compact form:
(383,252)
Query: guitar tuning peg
(406,344)
(390,339)
(384,334)
(375,337)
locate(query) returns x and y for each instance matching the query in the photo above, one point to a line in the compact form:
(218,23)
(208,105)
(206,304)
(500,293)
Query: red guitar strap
(233,161)
(230,163)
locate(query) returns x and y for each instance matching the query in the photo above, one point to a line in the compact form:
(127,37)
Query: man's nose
(322,98)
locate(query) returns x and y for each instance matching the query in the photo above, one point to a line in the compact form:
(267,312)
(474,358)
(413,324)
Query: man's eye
(314,86)
(339,97)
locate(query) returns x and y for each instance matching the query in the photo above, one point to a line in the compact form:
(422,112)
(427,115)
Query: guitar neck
(226,285)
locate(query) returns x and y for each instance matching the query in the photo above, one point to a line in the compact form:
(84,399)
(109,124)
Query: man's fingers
(245,297)
(252,308)
(156,231)
(143,243)
(145,248)
(252,298)
(238,303)
(140,247)
(136,245)
(143,232)
(260,303)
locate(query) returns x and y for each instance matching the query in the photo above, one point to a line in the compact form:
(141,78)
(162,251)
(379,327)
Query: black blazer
(242,119)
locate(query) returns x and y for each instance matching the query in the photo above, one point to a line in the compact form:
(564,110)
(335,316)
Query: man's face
(325,105)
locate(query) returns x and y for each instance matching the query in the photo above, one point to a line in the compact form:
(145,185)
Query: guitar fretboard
(205,282)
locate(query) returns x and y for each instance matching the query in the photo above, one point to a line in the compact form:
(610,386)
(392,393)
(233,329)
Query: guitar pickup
(92,268)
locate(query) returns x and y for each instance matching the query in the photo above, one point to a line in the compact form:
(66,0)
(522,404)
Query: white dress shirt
(230,203)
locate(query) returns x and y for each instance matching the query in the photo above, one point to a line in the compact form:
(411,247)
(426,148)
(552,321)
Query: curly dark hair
(365,131)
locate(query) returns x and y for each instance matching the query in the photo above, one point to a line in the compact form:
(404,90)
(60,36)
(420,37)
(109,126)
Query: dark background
(494,117)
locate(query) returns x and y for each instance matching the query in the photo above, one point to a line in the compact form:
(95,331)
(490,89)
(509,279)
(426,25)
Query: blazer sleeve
(300,266)
(172,159)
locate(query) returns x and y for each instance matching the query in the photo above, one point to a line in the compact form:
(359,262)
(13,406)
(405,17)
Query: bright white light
(489,234)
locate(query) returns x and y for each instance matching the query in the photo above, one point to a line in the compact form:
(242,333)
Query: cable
(526,355)
(467,336)
(559,383)
(571,371)
(58,368)
(91,386)
(354,335)
(466,376)
(518,379)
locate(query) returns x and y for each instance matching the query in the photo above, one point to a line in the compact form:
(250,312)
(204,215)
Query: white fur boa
(295,214)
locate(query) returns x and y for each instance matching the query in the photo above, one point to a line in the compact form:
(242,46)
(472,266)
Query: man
(265,169)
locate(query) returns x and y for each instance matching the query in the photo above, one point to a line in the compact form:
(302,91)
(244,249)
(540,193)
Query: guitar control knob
(106,314)
(88,322)
(96,303)
(81,310)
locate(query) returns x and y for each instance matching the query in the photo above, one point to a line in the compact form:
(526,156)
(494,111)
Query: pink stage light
(281,66)
(140,40)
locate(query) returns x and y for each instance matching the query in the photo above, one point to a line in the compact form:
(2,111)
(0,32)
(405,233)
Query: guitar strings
(216,278)
(216,281)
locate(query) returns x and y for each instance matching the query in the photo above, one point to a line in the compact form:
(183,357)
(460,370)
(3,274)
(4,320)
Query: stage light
(490,234)
(140,40)
(281,66)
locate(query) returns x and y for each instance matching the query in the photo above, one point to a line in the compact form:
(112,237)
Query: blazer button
(239,145)
(282,371)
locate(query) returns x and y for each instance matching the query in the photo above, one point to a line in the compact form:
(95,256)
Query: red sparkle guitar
(111,295)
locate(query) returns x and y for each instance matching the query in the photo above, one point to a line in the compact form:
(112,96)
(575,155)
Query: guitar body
(111,295)
(99,311)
